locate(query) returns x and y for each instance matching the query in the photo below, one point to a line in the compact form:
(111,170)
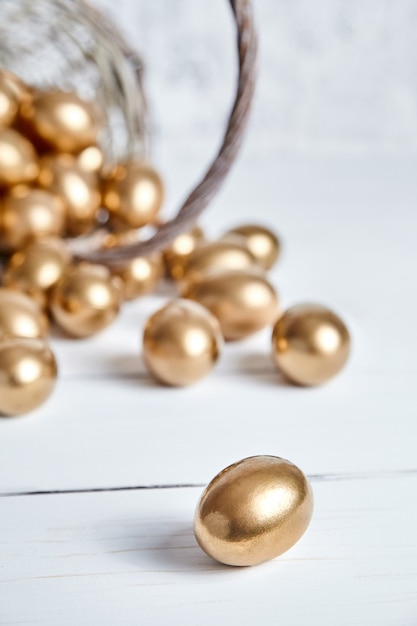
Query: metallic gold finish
(18,160)
(9,105)
(310,344)
(21,316)
(179,251)
(243,301)
(86,300)
(91,159)
(133,194)
(182,343)
(20,90)
(263,243)
(141,275)
(217,256)
(28,214)
(62,120)
(253,511)
(77,188)
(28,373)
(37,268)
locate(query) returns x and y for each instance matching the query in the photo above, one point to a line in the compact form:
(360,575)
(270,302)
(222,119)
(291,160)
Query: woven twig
(69,45)
(216,174)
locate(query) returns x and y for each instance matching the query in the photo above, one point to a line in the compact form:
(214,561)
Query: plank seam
(314,478)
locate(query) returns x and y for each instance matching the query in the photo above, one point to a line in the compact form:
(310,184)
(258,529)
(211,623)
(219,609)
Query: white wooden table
(98,488)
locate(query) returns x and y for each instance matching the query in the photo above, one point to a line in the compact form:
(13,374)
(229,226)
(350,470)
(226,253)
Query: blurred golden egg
(86,300)
(182,343)
(242,300)
(310,344)
(21,316)
(18,160)
(9,105)
(218,256)
(28,373)
(180,249)
(36,268)
(253,511)
(27,214)
(133,194)
(262,242)
(91,159)
(20,90)
(141,275)
(78,189)
(62,120)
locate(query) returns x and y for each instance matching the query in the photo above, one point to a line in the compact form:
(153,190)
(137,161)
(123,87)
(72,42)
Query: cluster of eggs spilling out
(226,295)
(53,187)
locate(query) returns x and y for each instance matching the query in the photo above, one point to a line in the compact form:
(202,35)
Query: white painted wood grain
(105,433)
(349,241)
(119,558)
(131,558)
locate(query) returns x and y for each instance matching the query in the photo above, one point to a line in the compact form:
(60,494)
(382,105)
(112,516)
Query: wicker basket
(68,44)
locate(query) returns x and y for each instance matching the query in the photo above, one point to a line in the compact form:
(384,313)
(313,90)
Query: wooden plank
(100,433)
(109,425)
(130,558)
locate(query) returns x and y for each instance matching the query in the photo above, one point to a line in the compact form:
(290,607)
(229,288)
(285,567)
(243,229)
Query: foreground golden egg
(262,243)
(21,316)
(36,268)
(62,120)
(218,256)
(9,105)
(133,194)
(18,160)
(28,373)
(310,344)
(27,214)
(77,188)
(243,301)
(180,249)
(86,300)
(253,511)
(182,343)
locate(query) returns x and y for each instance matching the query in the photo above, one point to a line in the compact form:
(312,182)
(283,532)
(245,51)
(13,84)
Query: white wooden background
(98,488)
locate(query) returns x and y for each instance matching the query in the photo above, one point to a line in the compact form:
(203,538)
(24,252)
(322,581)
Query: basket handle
(213,179)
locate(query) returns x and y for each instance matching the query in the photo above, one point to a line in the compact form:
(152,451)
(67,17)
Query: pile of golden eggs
(53,187)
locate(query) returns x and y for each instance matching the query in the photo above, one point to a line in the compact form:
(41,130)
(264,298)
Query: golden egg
(310,344)
(86,300)
(218,256)
(243,301)
(253,511)
(182,343)
(180,249)
(62,120)
(141,275)
(36,268)
(133,194)
(21,316)
(27,214)
(91,159)
(20,90)
(28,373)
(262,242)
(78,189)
(9,105)
(18,160)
